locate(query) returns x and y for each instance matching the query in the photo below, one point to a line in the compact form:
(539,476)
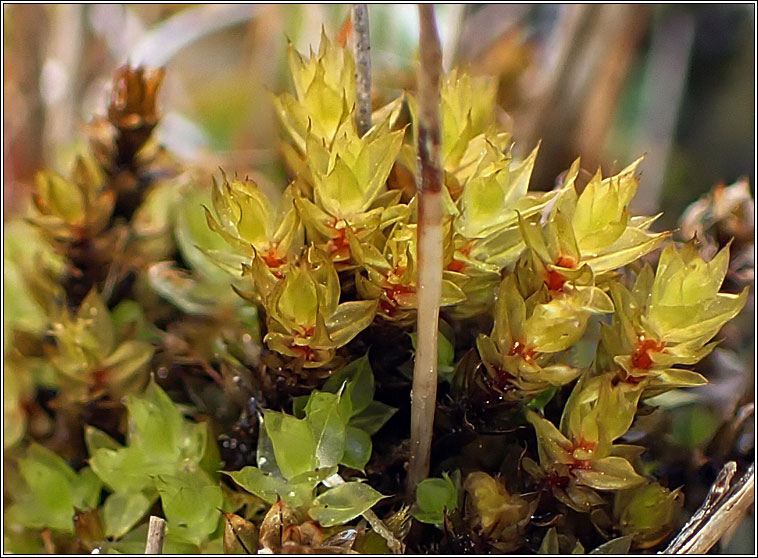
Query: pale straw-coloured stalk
(362,48)
(429,187)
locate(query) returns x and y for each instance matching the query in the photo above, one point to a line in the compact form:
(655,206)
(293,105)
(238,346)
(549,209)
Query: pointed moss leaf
(313,478)
(127,361)
(549,543)
(542,399)
(129,313)
(99,323)
(86,489)
(297,495)
(122,510)
(552,445)
(373,417)
(96,439)
(298,405)
(609,473)
(192,442)
(240,535)
(161,441)
(328,425)
(210,460)
(357,448)
(155,423)
(61,196)
(293,442)
(299,490)
(344,502)
(434,497)
(47,501)
(359,384)
(128,469)
(445,356)
(51,491)
(264,485)
(191,502)
(265,458)
(620,545)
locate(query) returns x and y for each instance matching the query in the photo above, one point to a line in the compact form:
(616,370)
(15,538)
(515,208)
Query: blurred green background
(607,82)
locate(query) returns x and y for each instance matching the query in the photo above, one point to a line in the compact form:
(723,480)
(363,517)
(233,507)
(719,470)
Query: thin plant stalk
(724,506)
(362,67)
(424,391)
(155,533)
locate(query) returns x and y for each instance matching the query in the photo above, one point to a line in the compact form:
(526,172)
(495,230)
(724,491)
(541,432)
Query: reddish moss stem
(424,392)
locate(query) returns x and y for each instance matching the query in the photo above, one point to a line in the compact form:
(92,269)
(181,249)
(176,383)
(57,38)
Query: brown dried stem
(362,67)
(724,506)
(424,392)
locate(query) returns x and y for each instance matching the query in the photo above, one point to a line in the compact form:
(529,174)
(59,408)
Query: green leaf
(359,384)
(434,497)
(127,361)
(161,442)
(619,545)
(357,448)
(373,417)
(693,426)
(349,319)
(293,441)
(155,423)
(122,511)
(648,513)
(445,358)
(48,500)
(297,492)
(264,485)
(210,458)
(191,502)
(549,543)
(128,469)
(99,323)
(313,478)
(86,489)
(539,402)
(129,313)
(553,446)
(328,425)
(96,439)
(298,405)
(609,473)
(344,502)
(265,458)
(62,196)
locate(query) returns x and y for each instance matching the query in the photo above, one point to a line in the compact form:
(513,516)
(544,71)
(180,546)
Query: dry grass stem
(424,392)
(362,67)
(724,507)
(155,534)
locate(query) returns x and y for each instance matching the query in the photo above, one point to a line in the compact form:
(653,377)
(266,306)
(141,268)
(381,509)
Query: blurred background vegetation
(606,82)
